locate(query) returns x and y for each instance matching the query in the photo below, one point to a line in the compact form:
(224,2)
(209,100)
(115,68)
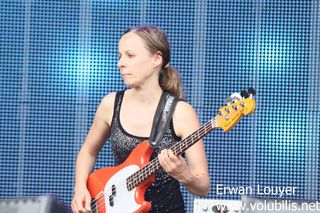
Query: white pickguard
(123,201)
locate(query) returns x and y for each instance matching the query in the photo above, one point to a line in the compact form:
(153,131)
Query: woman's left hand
(176,167)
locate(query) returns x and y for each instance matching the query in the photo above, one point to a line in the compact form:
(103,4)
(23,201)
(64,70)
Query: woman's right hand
(81,202)
(98,133)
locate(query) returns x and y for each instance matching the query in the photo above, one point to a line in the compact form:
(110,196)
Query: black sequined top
(164,193)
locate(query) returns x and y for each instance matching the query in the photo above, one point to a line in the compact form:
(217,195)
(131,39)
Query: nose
(120,63)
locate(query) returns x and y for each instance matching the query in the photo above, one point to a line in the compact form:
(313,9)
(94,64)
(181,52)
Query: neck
(147,94)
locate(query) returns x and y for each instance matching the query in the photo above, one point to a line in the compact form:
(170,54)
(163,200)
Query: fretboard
(148,170)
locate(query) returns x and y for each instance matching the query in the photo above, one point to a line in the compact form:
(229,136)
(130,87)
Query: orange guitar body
(107,186)
(121,189)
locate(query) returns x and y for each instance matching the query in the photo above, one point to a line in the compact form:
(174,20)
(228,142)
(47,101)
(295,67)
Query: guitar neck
(145,172)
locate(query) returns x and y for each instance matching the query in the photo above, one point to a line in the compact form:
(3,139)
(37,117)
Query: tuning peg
(236,96)
(229,100)
(244,94)
(252,91)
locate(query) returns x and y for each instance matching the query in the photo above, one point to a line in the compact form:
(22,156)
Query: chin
(129,84)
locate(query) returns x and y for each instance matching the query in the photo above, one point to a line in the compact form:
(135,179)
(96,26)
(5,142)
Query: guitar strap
(162,117)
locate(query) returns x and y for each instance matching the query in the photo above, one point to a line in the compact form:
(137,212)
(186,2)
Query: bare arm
(86,159)
(192,172)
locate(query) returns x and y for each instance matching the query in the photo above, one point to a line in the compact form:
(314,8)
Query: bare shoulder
(108,100)
(184,110)
(106,106)
(185,119)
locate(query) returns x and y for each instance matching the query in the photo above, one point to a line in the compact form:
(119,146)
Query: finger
(73,207)
(171,156)
(160,157)
(163,159)
(83,206)
(76,207)
(88,203)
(182,160)
(79,206)
(170,161)
(83,210)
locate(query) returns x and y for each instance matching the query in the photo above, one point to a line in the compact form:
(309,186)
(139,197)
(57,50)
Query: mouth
(125,74)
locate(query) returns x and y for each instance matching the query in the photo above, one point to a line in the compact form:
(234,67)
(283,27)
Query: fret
(148,170)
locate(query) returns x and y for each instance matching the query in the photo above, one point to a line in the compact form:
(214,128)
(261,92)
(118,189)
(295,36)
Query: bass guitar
(122,188)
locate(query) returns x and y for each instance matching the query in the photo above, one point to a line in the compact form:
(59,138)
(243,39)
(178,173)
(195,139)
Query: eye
(131,55)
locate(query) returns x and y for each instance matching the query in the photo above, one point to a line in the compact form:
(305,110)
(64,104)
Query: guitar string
(211,122)
(99,201)
(203,130)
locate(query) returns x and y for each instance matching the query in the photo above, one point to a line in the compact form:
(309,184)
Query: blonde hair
(157,41)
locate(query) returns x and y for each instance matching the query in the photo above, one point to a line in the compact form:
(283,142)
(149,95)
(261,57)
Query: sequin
(164,193)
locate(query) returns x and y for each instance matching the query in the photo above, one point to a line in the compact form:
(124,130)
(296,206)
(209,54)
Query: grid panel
(12,106)
(283,59)
(230,67)
(58,59)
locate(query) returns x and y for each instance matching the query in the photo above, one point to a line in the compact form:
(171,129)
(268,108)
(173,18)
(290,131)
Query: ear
(157,59)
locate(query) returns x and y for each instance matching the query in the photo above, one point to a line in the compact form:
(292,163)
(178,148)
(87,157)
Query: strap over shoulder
(162,118)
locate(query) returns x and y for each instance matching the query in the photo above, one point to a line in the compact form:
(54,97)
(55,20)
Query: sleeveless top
(164,193)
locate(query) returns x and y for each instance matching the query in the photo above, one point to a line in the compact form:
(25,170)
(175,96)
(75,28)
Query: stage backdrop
(58,60)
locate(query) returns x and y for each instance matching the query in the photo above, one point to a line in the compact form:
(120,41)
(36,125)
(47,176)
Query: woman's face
(136,63)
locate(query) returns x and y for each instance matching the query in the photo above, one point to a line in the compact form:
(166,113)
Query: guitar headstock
(242,104)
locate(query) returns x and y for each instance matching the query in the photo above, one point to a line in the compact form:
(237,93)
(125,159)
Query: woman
(126,119)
